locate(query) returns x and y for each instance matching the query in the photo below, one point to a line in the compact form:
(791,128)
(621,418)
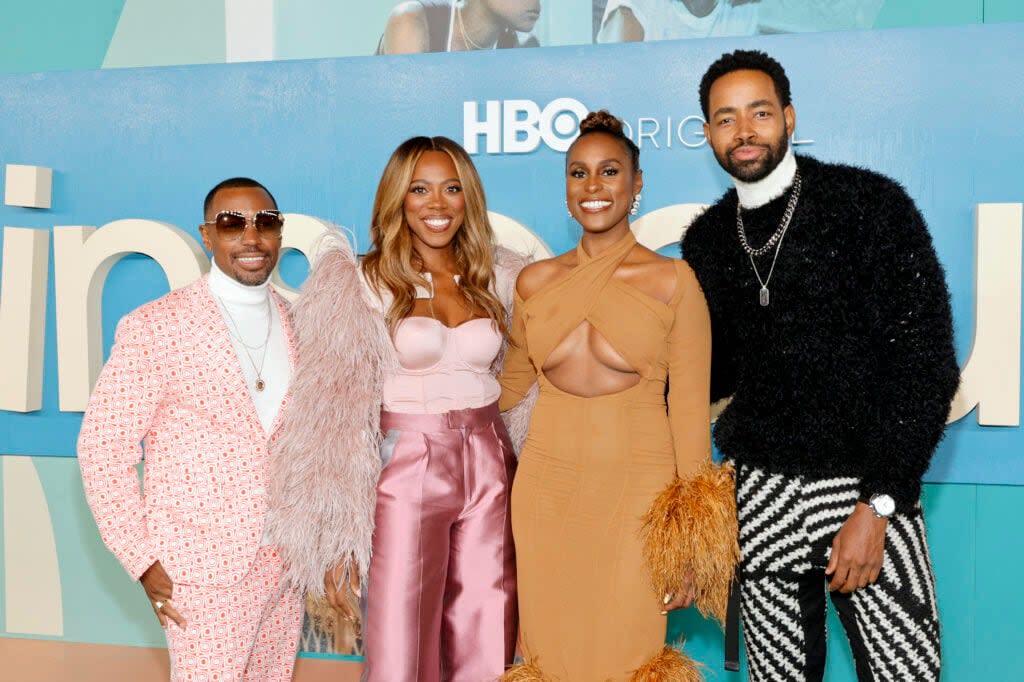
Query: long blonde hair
(393,264)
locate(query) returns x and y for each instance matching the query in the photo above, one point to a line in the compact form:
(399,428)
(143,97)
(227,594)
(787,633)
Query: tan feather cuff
(691,529)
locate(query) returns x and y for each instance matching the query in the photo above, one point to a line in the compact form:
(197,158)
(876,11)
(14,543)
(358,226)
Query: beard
(252,278)
(756,169)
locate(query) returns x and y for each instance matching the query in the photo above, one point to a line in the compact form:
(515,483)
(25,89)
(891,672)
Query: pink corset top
(442,368)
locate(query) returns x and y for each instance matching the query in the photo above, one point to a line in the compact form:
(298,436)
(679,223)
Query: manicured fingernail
(667,598)
(664,613)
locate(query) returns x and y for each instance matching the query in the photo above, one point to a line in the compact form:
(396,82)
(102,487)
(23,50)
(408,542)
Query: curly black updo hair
(755,60)
(605,122)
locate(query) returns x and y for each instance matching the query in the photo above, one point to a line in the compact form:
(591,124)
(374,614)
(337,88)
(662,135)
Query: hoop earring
(634,208)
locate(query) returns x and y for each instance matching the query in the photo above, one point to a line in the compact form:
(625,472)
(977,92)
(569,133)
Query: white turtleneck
(245,309)
(772,186)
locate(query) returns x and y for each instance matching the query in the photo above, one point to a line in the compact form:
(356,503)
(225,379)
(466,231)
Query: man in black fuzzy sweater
(832,332)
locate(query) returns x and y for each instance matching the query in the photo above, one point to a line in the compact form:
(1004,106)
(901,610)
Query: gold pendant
(260,385)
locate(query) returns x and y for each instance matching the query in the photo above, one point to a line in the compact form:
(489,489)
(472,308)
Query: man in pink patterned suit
(200,378)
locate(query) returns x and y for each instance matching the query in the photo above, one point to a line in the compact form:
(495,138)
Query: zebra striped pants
(787,524)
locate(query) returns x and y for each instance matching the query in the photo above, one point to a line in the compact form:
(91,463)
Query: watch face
(883,505)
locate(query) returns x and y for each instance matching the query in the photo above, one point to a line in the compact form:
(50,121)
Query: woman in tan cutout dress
(617,513)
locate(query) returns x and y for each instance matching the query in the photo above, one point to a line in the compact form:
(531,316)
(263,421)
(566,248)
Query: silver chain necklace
(790,207)
(775,240)
(260,384)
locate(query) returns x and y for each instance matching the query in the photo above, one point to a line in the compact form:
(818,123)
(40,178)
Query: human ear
(205,234)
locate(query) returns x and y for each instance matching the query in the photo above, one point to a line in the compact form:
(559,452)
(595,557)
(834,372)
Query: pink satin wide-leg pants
(441,599)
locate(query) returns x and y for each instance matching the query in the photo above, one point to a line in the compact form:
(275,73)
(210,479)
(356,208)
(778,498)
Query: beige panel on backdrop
(991,378)
(248,30)
(514,235)
(666,226)
(83,256)
(32,587)
(26,260)
(28,186)
(301,233)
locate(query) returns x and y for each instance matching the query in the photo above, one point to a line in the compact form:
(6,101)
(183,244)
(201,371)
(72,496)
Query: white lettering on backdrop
(83,256)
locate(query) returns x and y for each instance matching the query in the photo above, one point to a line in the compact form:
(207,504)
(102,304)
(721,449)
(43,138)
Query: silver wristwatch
(883,505)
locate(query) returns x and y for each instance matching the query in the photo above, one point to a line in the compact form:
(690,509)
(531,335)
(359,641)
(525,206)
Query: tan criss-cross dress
(592,466)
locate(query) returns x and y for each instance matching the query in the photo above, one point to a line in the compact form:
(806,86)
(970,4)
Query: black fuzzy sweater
(850,370)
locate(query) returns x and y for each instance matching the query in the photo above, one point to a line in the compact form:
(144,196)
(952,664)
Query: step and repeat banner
(105,173)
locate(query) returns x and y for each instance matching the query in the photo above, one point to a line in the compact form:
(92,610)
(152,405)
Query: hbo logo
(517,126)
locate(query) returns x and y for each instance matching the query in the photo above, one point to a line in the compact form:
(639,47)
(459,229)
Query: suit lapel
(214,335)
(286,329)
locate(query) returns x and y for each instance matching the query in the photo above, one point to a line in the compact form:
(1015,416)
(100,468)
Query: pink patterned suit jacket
(174,383)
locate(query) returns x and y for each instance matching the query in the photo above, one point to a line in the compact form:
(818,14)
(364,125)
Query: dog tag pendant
(763,296)
(260,385)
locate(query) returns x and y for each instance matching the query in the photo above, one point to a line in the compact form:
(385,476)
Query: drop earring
(634,208)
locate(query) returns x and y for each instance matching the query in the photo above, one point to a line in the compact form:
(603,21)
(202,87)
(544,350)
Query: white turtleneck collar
(230,290)
(772,186)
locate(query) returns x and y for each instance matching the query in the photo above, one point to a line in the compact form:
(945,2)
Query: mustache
(747,145)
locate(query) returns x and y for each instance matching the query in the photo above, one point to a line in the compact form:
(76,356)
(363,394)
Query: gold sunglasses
(231,224)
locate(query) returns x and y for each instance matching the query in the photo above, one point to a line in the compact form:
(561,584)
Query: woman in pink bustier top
(397,370)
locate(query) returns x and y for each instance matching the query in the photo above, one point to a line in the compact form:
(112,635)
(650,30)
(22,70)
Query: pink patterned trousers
(248,631)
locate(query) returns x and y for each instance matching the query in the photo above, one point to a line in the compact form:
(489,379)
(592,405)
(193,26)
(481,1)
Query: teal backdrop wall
(976,545)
